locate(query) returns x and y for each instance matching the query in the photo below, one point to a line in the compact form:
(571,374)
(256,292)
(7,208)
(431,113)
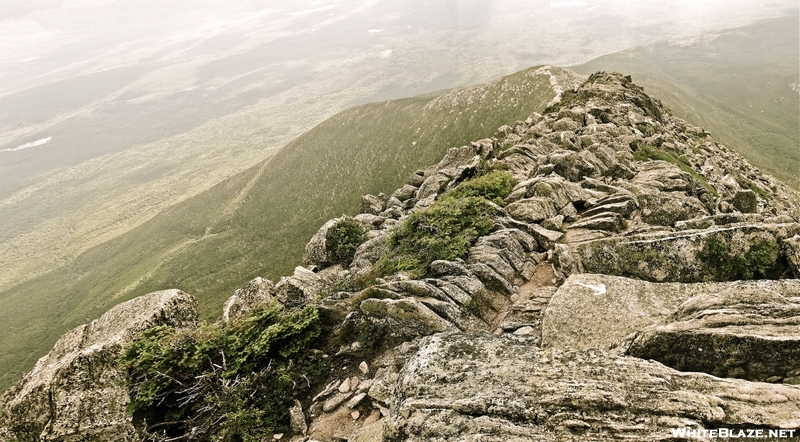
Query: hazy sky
(43,40)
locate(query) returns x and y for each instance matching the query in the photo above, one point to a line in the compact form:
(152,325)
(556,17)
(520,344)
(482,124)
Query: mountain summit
(600,271)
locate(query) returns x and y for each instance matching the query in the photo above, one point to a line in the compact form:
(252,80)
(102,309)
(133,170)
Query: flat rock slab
(480,387)
(751,331)
(598,311)
(716,254)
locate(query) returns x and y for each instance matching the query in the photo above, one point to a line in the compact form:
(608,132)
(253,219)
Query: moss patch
(758,260)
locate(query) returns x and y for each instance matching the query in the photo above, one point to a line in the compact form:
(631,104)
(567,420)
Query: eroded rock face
(749,330)
(77,392)
(598,311)
(466,387)
(714,254)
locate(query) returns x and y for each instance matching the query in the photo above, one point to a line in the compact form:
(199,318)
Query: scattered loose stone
(352,403)
(363,367)
(332,403)
(344,387)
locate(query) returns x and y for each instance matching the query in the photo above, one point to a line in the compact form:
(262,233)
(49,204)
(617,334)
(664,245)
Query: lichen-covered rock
(372,204)
(316,252)
(715,254)
(77,391)
(404,319)
(597,311)
(532,210)
(745,201)
(466,387)
(258,291)
(749,330)
(298,289)
(791,249)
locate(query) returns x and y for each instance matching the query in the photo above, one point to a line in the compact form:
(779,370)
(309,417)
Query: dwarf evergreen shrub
(227,382)
(343,239)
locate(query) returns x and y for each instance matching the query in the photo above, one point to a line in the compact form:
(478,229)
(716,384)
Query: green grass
(258,222)
(737,85)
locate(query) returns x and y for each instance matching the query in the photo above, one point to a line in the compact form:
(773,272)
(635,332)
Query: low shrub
(493,186)
(229,382)
(445,230)
(343,239)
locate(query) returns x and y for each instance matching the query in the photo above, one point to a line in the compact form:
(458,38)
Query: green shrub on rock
(445,230)
(229,382)
(343,239)
(493,186)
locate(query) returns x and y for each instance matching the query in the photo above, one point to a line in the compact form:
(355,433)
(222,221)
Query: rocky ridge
(639,277)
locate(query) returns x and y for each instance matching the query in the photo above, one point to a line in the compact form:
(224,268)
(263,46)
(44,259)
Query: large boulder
(316,252)
(77,391)
(256,292)
(598,311)
(715,254)
(481,387)
(750,330)
(300,288)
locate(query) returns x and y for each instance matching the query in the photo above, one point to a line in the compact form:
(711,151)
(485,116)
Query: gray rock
(298,289)
(405,192)
(532,210)
(554,223)
(791,249)
(367,254)
(297,419)
(599,311)
(750,330)
(571,165)
(404,319)
(544,237)
(369,221)
(458,157)
(444,268)
(667,208)
(334,401)
(465,387)
(316,252)
(77,391)
(417,178)
(721,254)
(745,201)
(622,204)
(433,185)
(373,204)
(609,221)
(258,291)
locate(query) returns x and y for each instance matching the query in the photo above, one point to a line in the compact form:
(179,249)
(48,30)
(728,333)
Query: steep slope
(257,222)
(577,277)
(742,85)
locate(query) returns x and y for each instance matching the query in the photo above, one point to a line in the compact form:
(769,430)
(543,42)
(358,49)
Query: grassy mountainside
(258,222)
(743,86)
